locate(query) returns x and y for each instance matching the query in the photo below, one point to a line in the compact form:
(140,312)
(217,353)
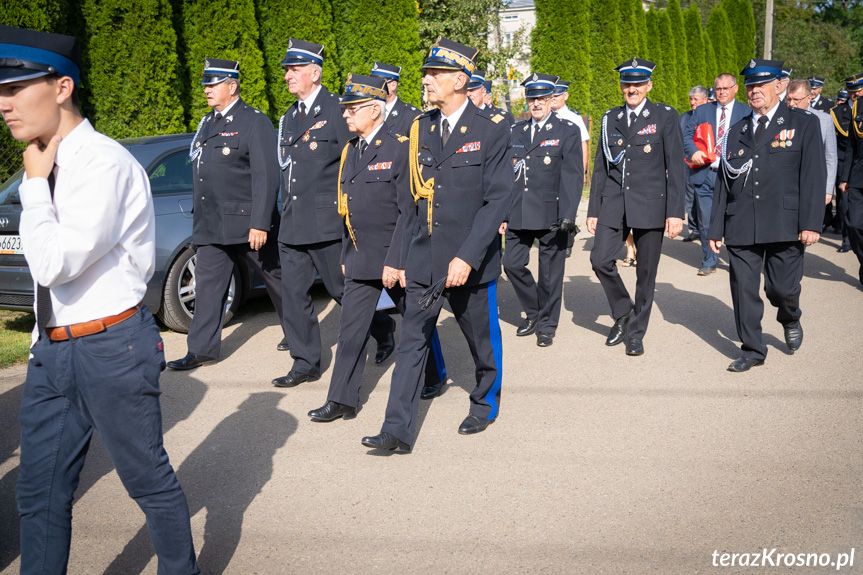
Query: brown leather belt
(62,333)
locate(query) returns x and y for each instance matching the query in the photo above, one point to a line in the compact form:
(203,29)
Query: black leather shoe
(744,364)
(191,361)
(473,424)
(691,238)
(332,411)
(283,345)
(618,330)
(293,379)
(544,339)
(843,249)
(634,347)
(384,440)
(430,391)
(794,337)
(527,327)
(385,348)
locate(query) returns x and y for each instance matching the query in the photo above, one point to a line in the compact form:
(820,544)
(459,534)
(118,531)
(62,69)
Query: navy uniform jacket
(824,104)
(852,171)
(372,185)
(841,114)
(508,118)
(401,117)
(784,191)
(309,183)
(236,176)
(549,174)
(653,146)
(472,194)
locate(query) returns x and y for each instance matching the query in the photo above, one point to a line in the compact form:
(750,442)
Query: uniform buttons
(628,146)
(335,203)
(438,187)
(525,189)
(557,198)
(757,197)
(203,198)
(627,187)
(756,183)
(438,168)
(437,205)
(756,169)
(350,214)
(756,156)
(352,181)
(350,198)
(293,197)
(294,180)
(436,224)
(200,179)
(527,158)
(466,162)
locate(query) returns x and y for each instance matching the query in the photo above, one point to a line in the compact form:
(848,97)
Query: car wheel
(178,297)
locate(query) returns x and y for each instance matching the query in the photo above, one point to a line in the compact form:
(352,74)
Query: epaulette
(400,138)
(497,118)
(668,108)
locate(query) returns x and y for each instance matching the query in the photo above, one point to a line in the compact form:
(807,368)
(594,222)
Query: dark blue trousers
(109,382)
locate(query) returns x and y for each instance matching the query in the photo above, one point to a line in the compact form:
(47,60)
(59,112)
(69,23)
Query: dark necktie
(218,116)
(302,112)
(759,131)
(632,118)
(363,146)
(44,309)
(535,132)
(444,133)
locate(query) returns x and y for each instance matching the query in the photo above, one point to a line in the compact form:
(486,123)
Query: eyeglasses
(718,89)
(352,110)
(790,100)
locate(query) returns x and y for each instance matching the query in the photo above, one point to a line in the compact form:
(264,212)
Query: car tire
(178,296)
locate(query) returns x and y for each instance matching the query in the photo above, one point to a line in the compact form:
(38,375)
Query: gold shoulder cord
(858,126)
(839,129)
(420,188)
(343,199)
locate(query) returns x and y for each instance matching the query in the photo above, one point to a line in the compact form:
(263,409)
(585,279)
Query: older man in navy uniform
(235,186)
(637,184)
(398,114)
(461,182)
(767,208)
(851,180)
(841,115)
(373,171)
(549,177)
(312,135)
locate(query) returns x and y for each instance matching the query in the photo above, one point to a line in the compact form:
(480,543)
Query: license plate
(10,245)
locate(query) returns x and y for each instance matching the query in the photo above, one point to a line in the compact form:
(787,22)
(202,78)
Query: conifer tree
(391,37)
(722,39)
(640,26)
(695,48)
(711,67)
(665,75)
(225,29)
(133,68)
(681,51)
(630,41)
(604,57)
(307,20)
(742,21)
(559,45)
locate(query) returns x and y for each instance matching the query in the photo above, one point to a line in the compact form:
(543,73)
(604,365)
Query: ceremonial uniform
(841,115)
(820,102)
(548,164)
(637,184)
(770,191)
(853,174)
(399,114)
(236,181)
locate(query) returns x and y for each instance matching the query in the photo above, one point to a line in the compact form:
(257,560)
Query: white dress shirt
(310,100)
(454,117)
(728,108)
(94,246)
(566,114)
(637,111)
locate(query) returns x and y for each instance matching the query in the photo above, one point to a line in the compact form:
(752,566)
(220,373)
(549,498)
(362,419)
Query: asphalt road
(598,462)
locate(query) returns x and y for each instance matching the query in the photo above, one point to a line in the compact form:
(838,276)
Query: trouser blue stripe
(497,348)
(437,353)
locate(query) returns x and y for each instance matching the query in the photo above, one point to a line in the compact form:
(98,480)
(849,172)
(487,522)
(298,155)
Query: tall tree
(604,57)
(681,51)
(665,74)
(630,39)
(308,20)
(391,37)
(226,29)
(695,48)
(742,21)
(723,41)
(137,35)
(463,21)
(558,45)
(711,67)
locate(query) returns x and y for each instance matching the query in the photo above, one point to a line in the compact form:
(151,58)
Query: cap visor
(440,63)
(8,75)
(355,99)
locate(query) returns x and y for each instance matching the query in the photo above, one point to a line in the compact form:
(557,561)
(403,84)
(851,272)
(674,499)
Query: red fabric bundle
(705,142)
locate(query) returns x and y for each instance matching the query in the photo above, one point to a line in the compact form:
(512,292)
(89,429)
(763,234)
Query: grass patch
(15,328)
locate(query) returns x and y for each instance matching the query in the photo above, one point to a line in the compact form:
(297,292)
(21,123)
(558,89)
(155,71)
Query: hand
(715,245)
(673,226)
(343,270)
(257,238)
(457,273)
(39,159)
(843,187)
(807,237)
(591,225)
(502,229)
(699,157)
(828,199)
(562,225)
(402,279)
(390,276)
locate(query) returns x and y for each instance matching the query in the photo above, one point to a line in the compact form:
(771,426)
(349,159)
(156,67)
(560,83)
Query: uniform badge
(780,120)
(619,115)
(647,149)
(547,127)
(740,153)
(646,113)
(546,160)
(432,128)
(525,128)
(197,144)
(752,63)
(377,142)
(313,146)
(774,144)
(294,115)
(394,113)
(229,119)
(787,143)
(620,142)
(317,109)
(463,129)
(306,137)
(226,150)
(635,62)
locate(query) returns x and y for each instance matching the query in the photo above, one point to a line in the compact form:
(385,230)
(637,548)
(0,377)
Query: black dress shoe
(191,361)
(430,391)
(473,424)
(332,411)
(794,337)
(283,345)
(744,364)
(384,440)
(618,330)
(544,339)
(843,249)
(691,238)
(293,379)
(634,347)
(385,348)
(527,327)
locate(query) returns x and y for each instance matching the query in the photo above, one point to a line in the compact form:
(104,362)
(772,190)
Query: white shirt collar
(372,135)
(542,122)
(71,144)
(311,99)
(769,114)
(388,107)
(455,116)
(637,110)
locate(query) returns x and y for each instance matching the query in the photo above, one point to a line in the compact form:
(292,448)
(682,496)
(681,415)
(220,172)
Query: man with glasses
(697,96)
(549,177)
(312,135)
(720,116)
(767,209)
